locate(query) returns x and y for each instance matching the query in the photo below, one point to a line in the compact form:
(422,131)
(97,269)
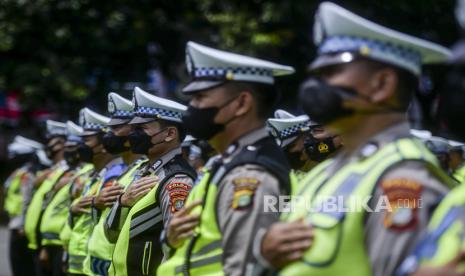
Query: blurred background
(57,56)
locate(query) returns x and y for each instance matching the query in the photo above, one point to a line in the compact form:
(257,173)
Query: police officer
(367,74)
(57,202)
(290,132)
(18,189)
(160,187)
(107,168)
(441,250)
(116,142)
(56,135)
(232,96)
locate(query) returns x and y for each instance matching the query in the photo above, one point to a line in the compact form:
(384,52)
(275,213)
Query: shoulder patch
(244,191)
(178,193)
(404,197)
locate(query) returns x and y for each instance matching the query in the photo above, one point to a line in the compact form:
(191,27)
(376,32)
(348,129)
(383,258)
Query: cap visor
(118,121)
(199,85)
(331,59)
(89,133)
(141,120)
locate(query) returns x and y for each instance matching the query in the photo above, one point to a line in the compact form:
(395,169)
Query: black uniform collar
(155,167)
(246,140)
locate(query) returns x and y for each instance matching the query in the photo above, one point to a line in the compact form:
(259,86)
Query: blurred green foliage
(69,50)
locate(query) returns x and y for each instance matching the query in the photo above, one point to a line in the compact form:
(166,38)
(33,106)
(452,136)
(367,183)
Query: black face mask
(72,158)
(323,102)
(86,153)
(141,142)
(294,160)
(319,149)
(114,144)
(199,122)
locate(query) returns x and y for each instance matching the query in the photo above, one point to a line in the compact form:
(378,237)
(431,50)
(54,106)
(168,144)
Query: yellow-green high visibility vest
(81,229)
(459,174)
(338,247)
(65,233)
(34,211)
(135,253)
(56,213)
(203,254)
(100,249)
(207,252)
(445,238)
(14,197)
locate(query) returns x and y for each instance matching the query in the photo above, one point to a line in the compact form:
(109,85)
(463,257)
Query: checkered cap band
(93,126)
(221,73)
(123,114)
(144,111)
(343,43)
(291,131)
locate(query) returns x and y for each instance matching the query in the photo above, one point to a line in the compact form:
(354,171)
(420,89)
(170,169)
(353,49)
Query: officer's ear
(383,85)
(245,103)
(171,134)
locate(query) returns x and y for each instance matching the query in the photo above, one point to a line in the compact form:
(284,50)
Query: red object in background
(41,115)
(10,109)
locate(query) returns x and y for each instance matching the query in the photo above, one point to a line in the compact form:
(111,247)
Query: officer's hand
(182,224)
(63,181)
(38,180)
(137,190)
(108,196)
(81,206)
(449,269)
(286,242)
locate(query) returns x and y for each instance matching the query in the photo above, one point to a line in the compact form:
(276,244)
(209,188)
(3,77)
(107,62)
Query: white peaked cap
(121,109)
(342,35)
(74,133)
(286,127)
(148,107)
(92,122)
(55,128)
(16,148)
(28,142)
(210,67)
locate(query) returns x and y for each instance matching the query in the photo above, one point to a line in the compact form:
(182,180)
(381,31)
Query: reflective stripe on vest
(145,221)
(99,266)
(338,233)
(132,227)
(99,247)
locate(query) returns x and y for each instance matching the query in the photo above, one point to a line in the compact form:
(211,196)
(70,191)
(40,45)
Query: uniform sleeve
(241,214)
(403,202)
(173,194)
